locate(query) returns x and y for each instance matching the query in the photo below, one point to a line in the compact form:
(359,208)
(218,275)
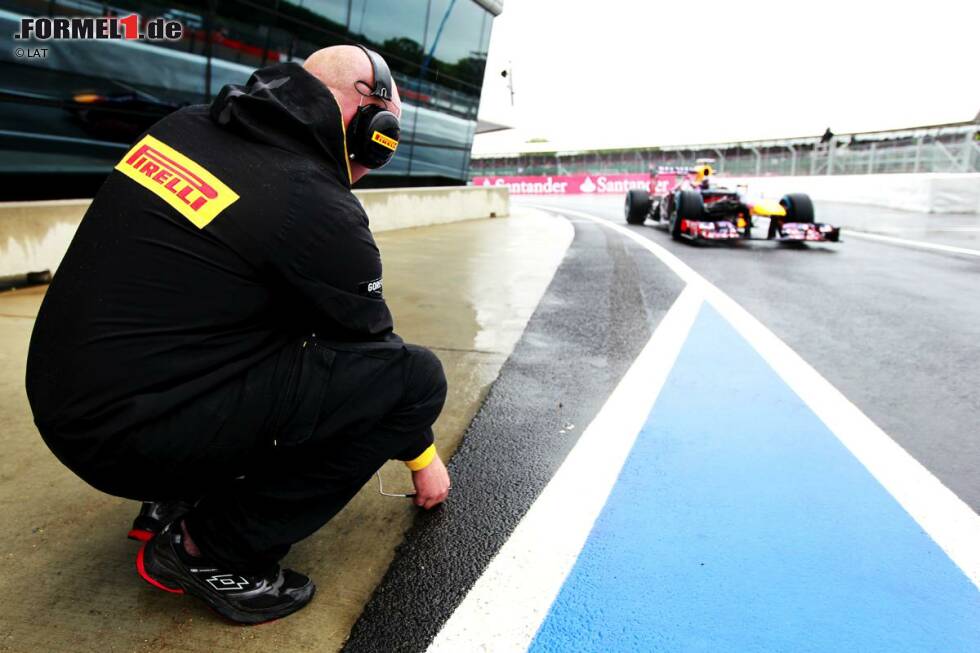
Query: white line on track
(920,244)
(505,607)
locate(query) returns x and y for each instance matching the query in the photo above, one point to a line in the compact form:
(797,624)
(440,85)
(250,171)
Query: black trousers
(275,454)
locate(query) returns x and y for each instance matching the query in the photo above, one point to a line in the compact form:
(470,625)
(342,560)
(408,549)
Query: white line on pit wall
(949,249)
(944,516)
(506,606)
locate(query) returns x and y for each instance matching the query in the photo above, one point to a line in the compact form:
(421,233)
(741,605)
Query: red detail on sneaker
(145,576)
(140,535)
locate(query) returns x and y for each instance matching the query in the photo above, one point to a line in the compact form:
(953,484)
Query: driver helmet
(701,174)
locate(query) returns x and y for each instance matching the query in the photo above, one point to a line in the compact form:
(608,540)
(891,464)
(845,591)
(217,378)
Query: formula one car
(692,207)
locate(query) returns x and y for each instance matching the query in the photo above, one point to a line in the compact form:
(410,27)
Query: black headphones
(373,134)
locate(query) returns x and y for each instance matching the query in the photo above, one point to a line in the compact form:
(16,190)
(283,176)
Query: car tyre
(674,226)
(637,206)
(799,207)
(688,205)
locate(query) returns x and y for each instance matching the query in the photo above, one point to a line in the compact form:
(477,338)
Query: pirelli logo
(386,141)
(194,192)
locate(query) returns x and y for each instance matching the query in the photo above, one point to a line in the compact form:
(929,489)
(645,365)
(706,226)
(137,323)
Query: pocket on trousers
(303,392)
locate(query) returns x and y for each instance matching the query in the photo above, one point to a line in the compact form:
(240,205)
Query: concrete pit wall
(35,235)
(421,207)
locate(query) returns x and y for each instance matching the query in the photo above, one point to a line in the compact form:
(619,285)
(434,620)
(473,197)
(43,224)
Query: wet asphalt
(603,303)
(896,329)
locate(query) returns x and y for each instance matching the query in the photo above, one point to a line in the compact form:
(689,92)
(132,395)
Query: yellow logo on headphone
(385,141)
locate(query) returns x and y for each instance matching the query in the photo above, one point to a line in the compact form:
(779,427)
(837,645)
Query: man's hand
(431,484)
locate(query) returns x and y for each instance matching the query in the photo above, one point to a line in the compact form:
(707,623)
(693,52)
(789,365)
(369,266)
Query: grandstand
(935,148)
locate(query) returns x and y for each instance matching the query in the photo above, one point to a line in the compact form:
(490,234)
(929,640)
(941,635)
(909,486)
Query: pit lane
(896,329)
(809,529)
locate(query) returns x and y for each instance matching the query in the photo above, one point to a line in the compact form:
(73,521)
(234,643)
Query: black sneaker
(154,516)
(163,563)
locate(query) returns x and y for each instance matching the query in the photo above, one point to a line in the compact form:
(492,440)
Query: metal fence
(946,148)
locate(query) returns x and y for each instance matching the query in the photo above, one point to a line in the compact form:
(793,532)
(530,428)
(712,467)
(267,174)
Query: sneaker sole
(146,559)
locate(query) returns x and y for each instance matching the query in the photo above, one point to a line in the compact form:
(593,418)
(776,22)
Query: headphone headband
(382,75)
(373,133)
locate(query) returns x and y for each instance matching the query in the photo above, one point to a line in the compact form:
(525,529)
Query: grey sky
(618,73)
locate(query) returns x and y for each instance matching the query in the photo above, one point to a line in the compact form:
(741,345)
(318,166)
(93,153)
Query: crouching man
(216,343)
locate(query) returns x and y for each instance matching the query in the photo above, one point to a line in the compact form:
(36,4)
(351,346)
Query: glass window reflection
(435,48)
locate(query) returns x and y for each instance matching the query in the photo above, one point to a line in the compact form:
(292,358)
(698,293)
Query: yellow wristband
(423,460)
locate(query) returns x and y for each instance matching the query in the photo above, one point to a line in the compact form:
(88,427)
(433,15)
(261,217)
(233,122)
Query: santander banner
(582,184)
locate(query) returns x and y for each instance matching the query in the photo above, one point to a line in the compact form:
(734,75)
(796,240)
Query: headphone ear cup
(354,134)
(372,136)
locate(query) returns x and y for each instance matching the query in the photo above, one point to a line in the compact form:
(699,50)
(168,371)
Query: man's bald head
(340,68)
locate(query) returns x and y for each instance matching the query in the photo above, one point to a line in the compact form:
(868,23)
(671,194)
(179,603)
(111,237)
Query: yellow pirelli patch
(185,185)
(381,139)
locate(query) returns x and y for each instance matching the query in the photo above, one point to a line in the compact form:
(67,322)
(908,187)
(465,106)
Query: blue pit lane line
(741,523)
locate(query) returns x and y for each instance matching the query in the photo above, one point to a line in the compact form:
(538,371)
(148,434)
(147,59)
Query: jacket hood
(286,107)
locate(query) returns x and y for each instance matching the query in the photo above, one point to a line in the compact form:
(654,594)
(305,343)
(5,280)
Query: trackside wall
(35,235)
(925,193)
(921,192)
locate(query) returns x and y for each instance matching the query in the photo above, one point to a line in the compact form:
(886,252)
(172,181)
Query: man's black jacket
(225,232)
